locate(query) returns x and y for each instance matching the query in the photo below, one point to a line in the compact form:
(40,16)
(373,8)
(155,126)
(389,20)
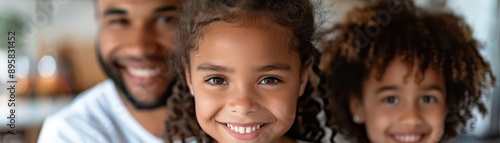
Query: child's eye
(391,100)
(216,81)
(270,80)
(427,99)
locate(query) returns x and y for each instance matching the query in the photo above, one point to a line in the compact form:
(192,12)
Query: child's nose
(411,116)
(243,102)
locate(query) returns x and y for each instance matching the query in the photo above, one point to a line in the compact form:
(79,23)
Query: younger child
(397,73)
(246,64)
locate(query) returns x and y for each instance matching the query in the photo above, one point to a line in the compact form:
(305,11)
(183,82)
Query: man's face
(135,38)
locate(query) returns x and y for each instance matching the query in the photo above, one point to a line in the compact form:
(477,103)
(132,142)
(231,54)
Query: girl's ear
(303,82)
(357,110)
(304,79)
(188,79)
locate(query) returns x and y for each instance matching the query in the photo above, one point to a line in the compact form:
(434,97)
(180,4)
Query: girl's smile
(244,131)
(400,108)
(246,81)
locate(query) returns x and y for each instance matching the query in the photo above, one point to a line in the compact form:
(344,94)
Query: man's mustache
(140,59)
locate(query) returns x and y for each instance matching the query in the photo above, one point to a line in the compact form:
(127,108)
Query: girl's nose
(243,102)
(411,116)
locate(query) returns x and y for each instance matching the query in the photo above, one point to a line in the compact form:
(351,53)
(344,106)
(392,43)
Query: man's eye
(119,21)
(270,80)
(428,99)
(166,19)
(216,81)
(391,100)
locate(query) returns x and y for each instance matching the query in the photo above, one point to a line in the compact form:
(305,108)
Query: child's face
(246,82)
(395,110)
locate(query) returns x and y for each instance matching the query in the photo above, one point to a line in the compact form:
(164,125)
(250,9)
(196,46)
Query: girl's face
(399,109)
(246,82)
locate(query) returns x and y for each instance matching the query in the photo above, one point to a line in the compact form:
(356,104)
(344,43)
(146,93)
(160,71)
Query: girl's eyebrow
(386,88)
(213,67)
(276,66)
(218,68)
(433,87)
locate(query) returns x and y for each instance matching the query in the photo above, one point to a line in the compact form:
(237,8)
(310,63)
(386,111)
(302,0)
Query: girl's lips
(408,138)
(244,131)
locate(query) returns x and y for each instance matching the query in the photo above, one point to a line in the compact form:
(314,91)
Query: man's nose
(142,40)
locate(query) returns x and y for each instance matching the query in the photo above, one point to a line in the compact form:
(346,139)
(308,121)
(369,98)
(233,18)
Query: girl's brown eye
(216,81)
(428,99)
(270,80)
(391,100)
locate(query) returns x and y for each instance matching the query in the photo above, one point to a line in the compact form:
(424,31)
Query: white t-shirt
(95,116)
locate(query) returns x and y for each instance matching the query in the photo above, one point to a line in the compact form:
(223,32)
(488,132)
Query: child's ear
(188,79)
(357,110)
(304,79)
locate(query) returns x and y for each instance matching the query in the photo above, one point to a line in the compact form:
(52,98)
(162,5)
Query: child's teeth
(407,138)
(243,130)
(248,130)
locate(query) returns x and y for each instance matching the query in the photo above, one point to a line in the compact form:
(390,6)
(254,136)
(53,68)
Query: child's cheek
(378,121)
(207,104)
(436,119)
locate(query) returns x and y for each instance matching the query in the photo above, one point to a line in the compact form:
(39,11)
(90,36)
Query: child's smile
(246,82)
(244,131)
(409,135)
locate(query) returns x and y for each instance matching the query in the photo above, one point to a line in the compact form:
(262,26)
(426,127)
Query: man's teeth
(244,130)
(144,72)
(407,138)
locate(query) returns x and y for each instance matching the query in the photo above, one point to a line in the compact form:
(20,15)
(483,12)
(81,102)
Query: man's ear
(357,110)
(188,79)
(97,20)
(97,17)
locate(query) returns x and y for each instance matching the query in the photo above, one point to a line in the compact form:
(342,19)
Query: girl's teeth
(243,130)
(407,138)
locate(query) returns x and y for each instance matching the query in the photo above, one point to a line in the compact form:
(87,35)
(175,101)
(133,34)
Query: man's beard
(114,75)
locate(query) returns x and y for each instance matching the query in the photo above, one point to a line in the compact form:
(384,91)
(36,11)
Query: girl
(246,64)
(400,74)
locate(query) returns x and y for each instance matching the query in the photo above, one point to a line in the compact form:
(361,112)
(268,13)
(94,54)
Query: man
(135,37)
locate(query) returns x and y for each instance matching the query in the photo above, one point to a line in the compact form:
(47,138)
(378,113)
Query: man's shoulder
(89,102)
(87,116)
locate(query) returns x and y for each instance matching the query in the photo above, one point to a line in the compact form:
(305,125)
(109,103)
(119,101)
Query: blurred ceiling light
(47,66)
(23,66)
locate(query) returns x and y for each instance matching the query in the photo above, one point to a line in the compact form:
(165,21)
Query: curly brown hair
(369,38)
(298,16)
